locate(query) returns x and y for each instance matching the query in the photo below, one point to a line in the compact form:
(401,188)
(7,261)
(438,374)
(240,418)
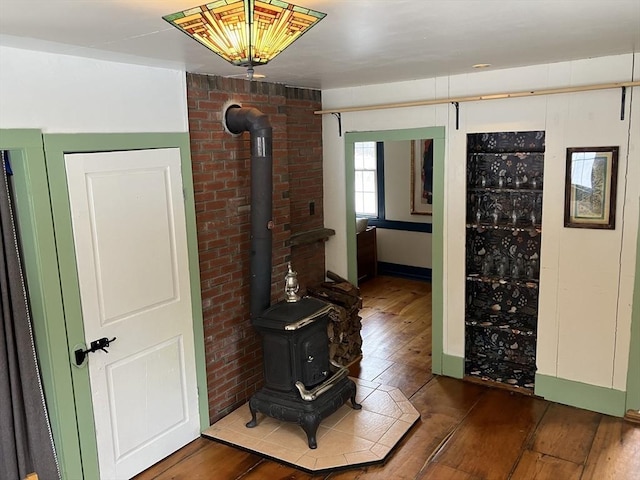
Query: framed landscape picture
(590,187)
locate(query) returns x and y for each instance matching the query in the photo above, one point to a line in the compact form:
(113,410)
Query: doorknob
(100,344)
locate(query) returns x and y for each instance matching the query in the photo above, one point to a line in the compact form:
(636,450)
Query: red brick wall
(221,174)
(305,184)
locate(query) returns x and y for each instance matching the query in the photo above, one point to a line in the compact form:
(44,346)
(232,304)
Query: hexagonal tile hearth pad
(347,438)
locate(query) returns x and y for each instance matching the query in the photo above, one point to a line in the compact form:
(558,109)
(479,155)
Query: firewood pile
(345,341)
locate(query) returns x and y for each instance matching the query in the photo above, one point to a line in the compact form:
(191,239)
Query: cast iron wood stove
(301,384)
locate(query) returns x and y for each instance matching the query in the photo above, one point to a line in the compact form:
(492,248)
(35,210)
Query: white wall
(66,94)
(586,275)
(399,246)
(404,248)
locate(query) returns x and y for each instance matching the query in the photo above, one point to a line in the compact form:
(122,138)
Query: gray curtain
(26,444)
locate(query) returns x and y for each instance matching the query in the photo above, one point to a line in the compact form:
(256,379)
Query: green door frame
(33,212)
(633,371)
(437,238)
(44,219)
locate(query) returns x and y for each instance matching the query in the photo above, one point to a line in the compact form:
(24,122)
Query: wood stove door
(314,355)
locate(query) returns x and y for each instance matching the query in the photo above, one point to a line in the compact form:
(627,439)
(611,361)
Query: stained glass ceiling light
(245,33)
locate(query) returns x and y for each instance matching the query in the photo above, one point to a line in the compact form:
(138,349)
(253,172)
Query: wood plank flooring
(466,432)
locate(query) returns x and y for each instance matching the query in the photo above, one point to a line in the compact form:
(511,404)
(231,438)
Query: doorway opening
(435,227)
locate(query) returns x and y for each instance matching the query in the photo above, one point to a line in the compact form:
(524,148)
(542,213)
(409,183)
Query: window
(365,161)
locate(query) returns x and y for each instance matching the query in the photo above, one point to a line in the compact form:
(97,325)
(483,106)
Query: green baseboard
(452,366)
(582,395)
(568,392)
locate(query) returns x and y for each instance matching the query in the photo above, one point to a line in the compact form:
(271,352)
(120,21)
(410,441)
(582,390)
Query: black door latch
(100,344)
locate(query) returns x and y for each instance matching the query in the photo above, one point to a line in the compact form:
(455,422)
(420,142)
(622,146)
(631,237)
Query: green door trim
(55,146)
(437,238)
(33,212)
(45,224)
(633,369)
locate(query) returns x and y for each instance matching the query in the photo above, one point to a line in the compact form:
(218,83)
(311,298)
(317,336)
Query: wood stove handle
(310,395)
(310,319)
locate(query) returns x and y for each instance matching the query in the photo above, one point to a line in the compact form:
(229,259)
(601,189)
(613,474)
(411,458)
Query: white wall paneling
(587,276)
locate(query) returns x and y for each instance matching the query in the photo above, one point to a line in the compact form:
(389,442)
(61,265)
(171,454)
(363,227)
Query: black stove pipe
(240,119)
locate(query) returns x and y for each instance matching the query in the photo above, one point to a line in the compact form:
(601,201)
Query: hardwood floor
(466,432)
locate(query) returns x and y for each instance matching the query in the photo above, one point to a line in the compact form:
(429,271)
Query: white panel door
(131,249)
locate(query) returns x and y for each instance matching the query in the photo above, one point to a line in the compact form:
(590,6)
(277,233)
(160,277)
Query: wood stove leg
(253,422)
(309,424)
(354,405)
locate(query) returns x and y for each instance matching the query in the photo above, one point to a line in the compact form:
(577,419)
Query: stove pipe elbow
(246,119)
(238,119)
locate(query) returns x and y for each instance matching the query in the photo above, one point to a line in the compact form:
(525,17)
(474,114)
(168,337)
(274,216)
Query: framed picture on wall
(422,177)
(590,187)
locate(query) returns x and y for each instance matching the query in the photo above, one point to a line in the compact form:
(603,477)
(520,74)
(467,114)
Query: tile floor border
(350,440)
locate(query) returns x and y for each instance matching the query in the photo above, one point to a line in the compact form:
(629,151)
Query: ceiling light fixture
(246,33)
(481,65)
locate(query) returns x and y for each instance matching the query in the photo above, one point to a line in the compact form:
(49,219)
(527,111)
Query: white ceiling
(359,42)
